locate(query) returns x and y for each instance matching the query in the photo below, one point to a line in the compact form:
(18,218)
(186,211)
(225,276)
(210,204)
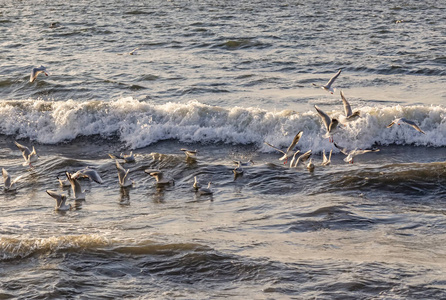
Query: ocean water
(223,77)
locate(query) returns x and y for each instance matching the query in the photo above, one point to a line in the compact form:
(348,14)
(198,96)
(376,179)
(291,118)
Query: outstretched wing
(325,118)
(343,150)
(413,124)
(347,107)
(295,141)
(25,150)
(266,143)
(332,79)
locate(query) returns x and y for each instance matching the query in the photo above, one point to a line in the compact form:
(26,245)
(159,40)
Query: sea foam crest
(139,124)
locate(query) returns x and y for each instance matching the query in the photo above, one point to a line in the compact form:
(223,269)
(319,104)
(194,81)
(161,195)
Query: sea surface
(223,77)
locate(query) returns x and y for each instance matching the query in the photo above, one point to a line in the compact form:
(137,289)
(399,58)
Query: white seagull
(60,201)
(310,165)
(79,194)
(190,153)
(123,175)
(10,185)
(328,86)
(205,191)
(326,161)
(37,71)
(352,153)
(289,151)
(159,176)
(349,114)
(408,122)
(331,124)
(29,156)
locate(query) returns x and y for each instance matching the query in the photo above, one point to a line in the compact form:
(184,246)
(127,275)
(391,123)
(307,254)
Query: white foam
(139,124)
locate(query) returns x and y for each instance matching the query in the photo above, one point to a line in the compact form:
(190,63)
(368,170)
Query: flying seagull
(408,122)
(37,71)
(289,151)
(328,86)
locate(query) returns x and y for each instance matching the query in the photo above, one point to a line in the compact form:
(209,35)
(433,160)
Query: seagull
(159,176)
(328,85)
(408,122)
(123,175)
(9,185)
(289,151)
(196,185)
(205,191)
(352,153)
(326,161)
(310,165)
(133,51)
(29,156)
(128,158)
(190,153)
(88,172)
(37,71)
(76,187)
(349,115)
(238,171)
(330,124)
(60,201)
(303,158)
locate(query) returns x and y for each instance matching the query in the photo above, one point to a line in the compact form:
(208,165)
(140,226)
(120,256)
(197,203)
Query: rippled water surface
(223,78)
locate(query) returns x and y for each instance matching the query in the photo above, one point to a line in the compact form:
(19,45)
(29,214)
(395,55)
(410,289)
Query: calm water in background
(223,78)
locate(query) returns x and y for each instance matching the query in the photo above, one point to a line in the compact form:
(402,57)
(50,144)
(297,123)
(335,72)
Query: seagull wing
(16,179)
(274,147)
(343,150)
(121,172)
(60,199)
(6,178)
(325,118)
(391,124)
(413,124)
(25,150)
(295,141)
(332,79)
(347,107)
(93,175)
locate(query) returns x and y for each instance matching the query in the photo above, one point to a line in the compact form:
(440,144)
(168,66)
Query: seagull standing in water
(159,177)
(37,71)
(205,191)
(10,185)
(349,115)
(408,122)
(29,156)
(331,124)
(289,151)
(352,153)
(60,201)
(310,165)
(328,86)
(190,153)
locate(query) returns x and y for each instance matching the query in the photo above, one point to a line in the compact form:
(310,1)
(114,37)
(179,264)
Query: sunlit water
(222,78)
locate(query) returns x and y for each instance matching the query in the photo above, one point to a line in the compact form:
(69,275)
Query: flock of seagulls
(331,125)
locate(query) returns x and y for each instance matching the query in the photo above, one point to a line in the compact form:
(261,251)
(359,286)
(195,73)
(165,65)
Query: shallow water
(223,78)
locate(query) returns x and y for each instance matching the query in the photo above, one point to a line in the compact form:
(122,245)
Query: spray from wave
(139,124)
